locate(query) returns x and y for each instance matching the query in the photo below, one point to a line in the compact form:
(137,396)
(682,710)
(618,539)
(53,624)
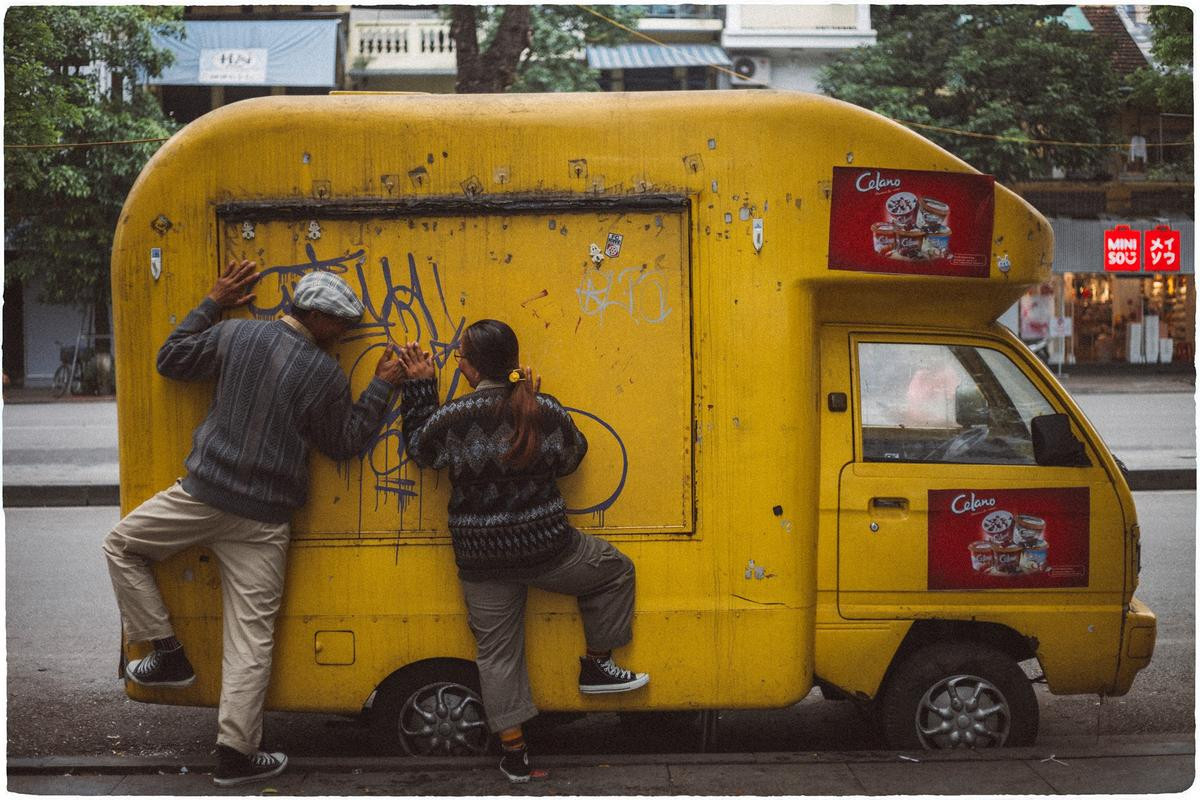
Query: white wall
(46,326)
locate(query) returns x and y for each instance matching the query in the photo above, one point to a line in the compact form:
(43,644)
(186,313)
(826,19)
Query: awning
(653,56)
(253,53)
(1079,243)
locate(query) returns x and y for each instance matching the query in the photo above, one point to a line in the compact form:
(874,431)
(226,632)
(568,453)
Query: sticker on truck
(1008,538)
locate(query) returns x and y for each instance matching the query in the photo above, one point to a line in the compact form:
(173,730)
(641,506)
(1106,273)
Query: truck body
(773,315)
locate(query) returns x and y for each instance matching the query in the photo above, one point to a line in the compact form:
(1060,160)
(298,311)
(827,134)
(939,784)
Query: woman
(504,445)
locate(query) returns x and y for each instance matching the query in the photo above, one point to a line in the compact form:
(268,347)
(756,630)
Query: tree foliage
(1168,86)
(73,74)
(1008,71)
(532,48)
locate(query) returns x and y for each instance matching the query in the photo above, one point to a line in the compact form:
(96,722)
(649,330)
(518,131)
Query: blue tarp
(253,53)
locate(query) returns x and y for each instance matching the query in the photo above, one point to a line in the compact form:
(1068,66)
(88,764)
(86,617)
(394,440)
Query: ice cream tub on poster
(997,527)
(1029,530)
(1008,559)
(909,243)
(902,209)
(937,243)
(1033,557)
(883,237)
(932,214)
(982,556)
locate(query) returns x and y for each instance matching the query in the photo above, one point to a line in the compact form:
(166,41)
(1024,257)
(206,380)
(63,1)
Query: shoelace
(613,671)
(149,663)
(261,759)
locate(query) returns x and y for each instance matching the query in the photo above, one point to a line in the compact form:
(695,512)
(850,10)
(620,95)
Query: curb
(194,763)
(54,496)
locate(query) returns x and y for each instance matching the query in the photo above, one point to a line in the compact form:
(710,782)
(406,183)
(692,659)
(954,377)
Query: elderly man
(277,393)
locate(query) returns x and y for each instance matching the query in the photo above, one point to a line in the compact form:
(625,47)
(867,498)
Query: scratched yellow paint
(690,355)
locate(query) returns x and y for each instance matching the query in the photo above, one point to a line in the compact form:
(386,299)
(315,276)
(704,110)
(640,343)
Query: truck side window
(945,403)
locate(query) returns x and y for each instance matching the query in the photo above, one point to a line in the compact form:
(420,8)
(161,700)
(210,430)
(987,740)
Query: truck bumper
(1137,644)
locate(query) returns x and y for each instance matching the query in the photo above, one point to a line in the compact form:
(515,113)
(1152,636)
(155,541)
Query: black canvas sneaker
(515,766)
(235,768)
(605,677)
(168,668)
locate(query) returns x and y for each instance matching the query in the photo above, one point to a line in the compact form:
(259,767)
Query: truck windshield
(945,403)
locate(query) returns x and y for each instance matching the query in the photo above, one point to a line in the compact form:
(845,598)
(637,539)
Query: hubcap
(443,719)
(963,711)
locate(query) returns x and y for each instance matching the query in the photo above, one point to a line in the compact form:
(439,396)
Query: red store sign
(1162,250)
(1125,250)
(1122,249)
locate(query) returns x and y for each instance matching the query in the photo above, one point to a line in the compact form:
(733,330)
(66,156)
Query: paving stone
(1116,775)
(951,777)
(789,779)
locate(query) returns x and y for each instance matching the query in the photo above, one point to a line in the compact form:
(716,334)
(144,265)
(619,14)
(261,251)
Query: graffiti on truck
(639,292)
(400,307)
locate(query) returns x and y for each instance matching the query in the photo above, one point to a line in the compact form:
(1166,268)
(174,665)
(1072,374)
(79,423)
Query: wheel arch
(416,670)
(924,632)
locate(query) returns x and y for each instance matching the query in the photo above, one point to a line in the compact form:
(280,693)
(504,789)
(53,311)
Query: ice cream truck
(772,314)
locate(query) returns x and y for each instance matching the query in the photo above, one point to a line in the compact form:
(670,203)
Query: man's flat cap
(324,291)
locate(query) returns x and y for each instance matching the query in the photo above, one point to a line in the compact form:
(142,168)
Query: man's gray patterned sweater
(505,521)
(277,392)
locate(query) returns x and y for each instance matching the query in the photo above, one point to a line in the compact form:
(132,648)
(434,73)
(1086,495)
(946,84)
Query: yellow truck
(774,317)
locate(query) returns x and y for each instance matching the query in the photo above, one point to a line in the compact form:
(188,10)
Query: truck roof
(762,174)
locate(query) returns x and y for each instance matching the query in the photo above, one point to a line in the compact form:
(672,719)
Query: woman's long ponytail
(491,347)
(525,415)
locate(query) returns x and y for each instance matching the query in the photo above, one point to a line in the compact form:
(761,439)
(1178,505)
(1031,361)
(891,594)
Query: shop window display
(1146,318)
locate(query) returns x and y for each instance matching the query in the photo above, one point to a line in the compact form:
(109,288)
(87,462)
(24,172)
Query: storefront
(1138,307)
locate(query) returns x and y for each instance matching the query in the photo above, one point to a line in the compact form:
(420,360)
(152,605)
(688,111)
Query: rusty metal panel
(598,297)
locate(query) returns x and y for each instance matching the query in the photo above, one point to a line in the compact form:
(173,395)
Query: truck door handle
(900,503)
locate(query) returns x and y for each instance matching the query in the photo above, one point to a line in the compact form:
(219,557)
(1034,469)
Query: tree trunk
(495,69)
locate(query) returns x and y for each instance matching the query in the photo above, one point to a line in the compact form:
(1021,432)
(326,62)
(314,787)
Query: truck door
(942,510)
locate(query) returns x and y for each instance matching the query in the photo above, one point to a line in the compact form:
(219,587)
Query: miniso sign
(242,66)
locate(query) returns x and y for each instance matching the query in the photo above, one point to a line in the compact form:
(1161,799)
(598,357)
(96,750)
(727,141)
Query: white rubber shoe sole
(639,680)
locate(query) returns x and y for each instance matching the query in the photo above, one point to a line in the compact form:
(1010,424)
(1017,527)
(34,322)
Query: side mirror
(970,406)
(1054,445)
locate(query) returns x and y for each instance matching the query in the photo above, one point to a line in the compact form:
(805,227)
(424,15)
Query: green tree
(532,48)
(73,75)
(1008,71)
(1167,87)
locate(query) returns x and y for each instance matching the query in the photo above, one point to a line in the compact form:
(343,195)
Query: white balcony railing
(402,47)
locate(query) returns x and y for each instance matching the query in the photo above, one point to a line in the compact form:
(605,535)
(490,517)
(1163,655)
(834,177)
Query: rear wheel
(959,695)
(433,709)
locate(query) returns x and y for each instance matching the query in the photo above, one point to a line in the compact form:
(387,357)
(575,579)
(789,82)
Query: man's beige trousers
(252,556)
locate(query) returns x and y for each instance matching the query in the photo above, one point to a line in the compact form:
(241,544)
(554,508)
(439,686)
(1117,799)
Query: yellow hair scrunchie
(515,376)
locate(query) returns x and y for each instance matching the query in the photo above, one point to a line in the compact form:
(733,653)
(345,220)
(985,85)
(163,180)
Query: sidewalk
(1117,765)
(64,452)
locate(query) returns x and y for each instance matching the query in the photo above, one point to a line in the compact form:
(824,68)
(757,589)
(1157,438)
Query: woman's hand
(416,363)
(535,380)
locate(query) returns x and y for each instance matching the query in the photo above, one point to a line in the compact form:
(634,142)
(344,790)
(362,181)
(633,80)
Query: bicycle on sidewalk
(82,369)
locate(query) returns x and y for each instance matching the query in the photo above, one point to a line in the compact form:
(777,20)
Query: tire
(431,709)
(996,703)
(62,377)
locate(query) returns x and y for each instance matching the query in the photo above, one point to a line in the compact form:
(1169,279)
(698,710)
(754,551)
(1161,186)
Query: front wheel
(433,709)
(959,695)
(62,377)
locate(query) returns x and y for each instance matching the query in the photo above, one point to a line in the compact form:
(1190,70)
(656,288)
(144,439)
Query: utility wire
(81,144)
(955,131)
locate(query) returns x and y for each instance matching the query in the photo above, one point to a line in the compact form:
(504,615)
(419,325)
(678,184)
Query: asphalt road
(64,697)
